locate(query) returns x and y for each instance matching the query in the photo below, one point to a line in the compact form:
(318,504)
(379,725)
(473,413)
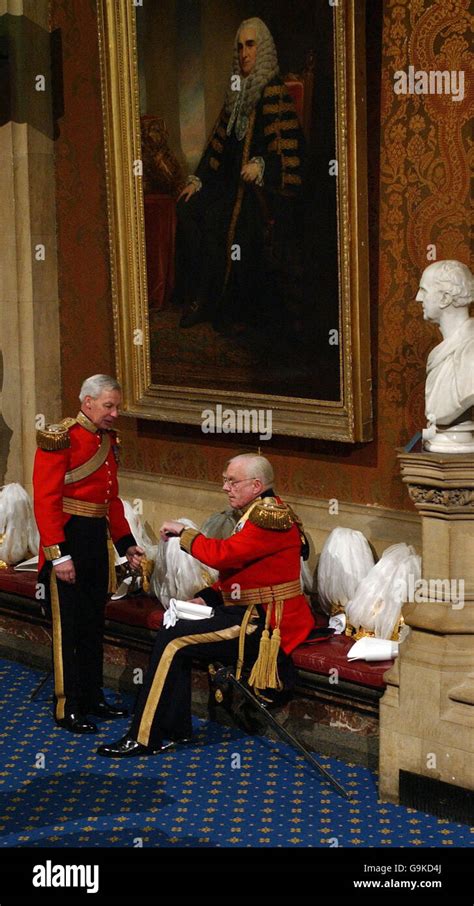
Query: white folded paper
(370,649)
(28,566)
(338,623)
(123,589)
(185,610)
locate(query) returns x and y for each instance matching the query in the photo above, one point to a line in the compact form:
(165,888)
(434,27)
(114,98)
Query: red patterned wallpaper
(418,195)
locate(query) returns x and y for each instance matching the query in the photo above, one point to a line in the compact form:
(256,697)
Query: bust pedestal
(427,711)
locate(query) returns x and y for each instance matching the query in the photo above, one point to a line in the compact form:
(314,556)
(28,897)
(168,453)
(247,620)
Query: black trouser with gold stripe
(163,708)
(78,612)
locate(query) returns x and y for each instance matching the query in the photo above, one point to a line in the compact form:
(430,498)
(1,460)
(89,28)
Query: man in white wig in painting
(249,175)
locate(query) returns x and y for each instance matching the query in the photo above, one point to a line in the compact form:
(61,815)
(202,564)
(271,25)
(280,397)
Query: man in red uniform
(76,507)
(260,613)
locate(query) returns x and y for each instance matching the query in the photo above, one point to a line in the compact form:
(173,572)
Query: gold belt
(264,595)
(84,507)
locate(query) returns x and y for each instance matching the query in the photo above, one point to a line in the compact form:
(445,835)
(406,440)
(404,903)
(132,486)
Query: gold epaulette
(55,437)
(269,514)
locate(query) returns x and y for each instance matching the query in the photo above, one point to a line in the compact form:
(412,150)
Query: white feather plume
(18,532)
(176,574)
(345,560)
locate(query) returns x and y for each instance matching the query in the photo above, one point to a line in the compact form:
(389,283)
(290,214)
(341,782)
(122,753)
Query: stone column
(427,713)
(29,308)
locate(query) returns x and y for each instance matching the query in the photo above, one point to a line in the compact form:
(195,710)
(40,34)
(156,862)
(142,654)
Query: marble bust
(446,291)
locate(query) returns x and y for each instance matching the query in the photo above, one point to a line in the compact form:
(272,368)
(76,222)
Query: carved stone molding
(440,485)
(455,497)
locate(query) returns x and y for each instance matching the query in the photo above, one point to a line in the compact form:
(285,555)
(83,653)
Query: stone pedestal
(427,711)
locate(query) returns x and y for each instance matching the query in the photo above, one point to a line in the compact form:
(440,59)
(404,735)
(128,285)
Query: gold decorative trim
(86,422)
(57,649)
(274,516)
(281,126)
(52,552)
(292,161)
(286,107)
(163,667)
(347,419)
(273,90)
(84,508)
(53,437)
(284,144)
(291,179)
(264,595)
(92,464)
(186,539)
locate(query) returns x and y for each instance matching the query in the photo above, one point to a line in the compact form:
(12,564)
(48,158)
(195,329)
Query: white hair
(454,279)
(255,467)
(239,104)
(95,385)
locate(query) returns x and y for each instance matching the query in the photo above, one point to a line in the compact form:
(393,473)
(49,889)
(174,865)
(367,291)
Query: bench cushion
(322,656)
(315,656)
(18,583)
(137,610)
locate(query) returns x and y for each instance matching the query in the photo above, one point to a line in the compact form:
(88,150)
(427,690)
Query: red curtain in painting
(160,231)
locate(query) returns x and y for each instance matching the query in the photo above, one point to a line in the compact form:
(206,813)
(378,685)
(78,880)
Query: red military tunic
(257,557)
(100,487)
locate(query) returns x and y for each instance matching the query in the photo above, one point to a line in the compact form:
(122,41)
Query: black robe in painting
(226,231)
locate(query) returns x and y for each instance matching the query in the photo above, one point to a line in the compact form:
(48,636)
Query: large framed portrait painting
(236,166)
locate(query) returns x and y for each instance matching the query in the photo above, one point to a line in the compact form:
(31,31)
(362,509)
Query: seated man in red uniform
(76,507)
(260,614)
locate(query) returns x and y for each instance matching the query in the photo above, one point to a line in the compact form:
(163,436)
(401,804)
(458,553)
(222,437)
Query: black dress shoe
(76,723)
(181,741)
(129,748)
(106,711)
(194,314)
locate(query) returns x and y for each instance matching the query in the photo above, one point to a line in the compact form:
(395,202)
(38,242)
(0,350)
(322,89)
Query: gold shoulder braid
(269,514)
(55,437)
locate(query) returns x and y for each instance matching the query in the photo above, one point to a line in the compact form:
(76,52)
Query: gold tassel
(264,674)
(258,676)
(147,566)
(273,680)
(112,574)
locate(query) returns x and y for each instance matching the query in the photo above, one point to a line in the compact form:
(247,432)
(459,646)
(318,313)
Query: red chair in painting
(301,88)
(162,180)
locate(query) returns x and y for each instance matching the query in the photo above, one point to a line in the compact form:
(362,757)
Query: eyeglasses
(231,483)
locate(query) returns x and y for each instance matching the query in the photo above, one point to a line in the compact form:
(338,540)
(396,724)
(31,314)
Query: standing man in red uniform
(260,614)
(77,507)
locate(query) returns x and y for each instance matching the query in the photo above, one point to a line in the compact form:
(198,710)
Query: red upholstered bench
(133,614)
(330,654)
(18,583)
(137,610)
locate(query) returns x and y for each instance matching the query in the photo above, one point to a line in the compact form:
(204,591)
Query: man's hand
(197,601)
(250,172)
(172,528)
(134,556)
(188,190)
(65,571)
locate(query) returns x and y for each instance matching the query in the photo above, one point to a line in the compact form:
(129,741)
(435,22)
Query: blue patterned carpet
(228,790)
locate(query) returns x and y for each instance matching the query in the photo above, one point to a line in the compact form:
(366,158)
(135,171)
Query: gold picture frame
(348,419)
